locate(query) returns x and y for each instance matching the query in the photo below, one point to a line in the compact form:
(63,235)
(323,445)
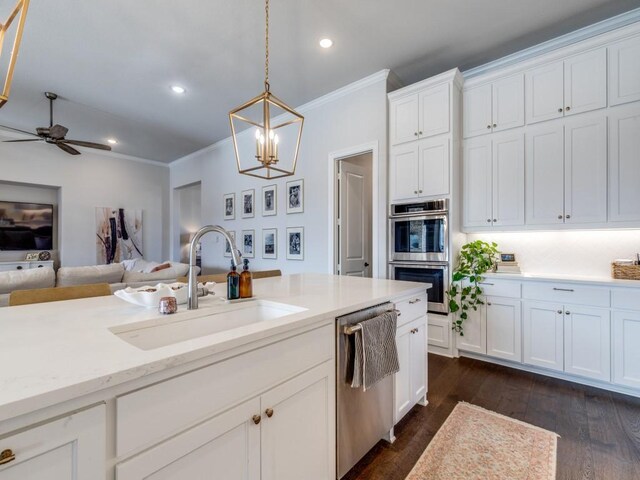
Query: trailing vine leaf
(476,258)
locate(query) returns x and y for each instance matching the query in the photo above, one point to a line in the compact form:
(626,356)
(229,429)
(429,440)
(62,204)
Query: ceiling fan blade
(58,132)
(25,140)
(80,143)
(67,148)
(18,130)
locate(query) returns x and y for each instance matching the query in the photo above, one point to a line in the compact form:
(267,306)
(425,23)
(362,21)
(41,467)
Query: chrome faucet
(193,281)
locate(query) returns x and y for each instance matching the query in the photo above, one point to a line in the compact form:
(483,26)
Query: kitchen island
(105,388)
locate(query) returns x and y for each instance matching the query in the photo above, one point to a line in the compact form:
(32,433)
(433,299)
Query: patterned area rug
(477,444)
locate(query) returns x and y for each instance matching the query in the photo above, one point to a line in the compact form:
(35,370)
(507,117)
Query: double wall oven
(419,247)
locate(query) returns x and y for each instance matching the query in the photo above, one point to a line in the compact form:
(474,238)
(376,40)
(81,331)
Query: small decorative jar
(168,305)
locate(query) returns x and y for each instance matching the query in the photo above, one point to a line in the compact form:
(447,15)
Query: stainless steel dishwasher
(363,417)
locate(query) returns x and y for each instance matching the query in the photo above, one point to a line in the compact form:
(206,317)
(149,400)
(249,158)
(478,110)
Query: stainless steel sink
(152,334)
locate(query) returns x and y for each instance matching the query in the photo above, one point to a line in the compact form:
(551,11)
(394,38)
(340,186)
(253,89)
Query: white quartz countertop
(576,279)
(54,352)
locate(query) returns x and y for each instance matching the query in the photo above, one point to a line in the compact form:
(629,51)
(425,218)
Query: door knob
(269,412)
(256,419)
(7,456)
(366,264)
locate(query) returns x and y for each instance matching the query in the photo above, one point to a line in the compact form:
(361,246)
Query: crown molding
(365,82)
(452,75)
(585,33)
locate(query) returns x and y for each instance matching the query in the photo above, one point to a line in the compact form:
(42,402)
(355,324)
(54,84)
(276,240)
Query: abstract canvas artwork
(119,235)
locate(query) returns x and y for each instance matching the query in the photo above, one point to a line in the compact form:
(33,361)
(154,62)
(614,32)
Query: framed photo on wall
(229,206)
(248,198)
(270,243)
(295,196)
(269,200)
(295,243)
(248,241)
(227,247)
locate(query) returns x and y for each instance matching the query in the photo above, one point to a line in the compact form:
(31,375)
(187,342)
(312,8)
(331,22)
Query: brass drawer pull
(256,419)
(7,456)
(417,300)
(269,412)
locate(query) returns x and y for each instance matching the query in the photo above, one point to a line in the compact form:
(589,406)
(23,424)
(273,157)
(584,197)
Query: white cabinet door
(543,335)
(476,116)
(624,71)
(544,92)
(434,167)
(403,121)
(404,172)
(402,381)
(418,355)
(624,163)
(298,439)
(586,170)
(477,183)
(508,103)
(439,331)
(587,342)
(545,175)
(508,179)
(434,111)
(626,350)
(226,446)
(475,331)
(585,82)
(504,328)
(71,448)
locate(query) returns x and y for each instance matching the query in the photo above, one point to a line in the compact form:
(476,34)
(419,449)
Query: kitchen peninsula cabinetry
(423,129)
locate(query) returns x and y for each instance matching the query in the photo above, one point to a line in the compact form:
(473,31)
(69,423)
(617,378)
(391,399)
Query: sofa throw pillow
(68,276)
(27,279)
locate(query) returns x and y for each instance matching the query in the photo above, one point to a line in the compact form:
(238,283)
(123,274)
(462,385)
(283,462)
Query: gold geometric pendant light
(270,150)
(20,9)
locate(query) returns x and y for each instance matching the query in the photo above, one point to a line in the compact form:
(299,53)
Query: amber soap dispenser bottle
(233,284)
(246,289)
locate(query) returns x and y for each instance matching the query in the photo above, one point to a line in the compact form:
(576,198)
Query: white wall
(588,252)
(88,181)
(188,201)
(349,117)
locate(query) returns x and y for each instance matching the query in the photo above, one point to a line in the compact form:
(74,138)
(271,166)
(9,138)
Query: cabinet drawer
(626,298)
(411,308)
(567,293)
(500,288)
(439,331)
(149,415)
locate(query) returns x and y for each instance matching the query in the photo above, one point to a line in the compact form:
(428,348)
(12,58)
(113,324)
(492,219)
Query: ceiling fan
(54,134)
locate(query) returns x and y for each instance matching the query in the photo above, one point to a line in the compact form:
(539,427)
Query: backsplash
(587,253)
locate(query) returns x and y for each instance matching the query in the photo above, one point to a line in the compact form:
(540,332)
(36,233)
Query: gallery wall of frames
(248,204)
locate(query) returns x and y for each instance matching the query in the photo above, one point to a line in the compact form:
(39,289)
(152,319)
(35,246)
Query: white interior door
(354,232)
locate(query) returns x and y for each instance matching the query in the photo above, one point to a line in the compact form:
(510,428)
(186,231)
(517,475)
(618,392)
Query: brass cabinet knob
(495,125)
(7,456)
(559,217)
(568,217)
(560,312)
(489,127)
(488,220)
(420,133)
(567,312)
(256,419)
(269,412)
(415,134)
(560,110)
(568,108)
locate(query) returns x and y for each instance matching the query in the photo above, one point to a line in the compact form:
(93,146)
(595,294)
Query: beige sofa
(115,275)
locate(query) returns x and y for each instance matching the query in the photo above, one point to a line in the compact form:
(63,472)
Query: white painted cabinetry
(624,71)
(404,172)
(587,342)
(404,119)
(575,85)
(624,165)
(494,107)
(493,181)
(411,380)
(26,265)
(543,335)
(71,448)
(504,328)
(626,348)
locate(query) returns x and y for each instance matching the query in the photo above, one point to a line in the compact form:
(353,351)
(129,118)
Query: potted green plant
(476,258)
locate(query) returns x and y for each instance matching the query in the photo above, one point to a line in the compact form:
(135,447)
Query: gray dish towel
(376,354)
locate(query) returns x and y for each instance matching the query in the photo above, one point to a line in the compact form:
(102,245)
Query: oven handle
(438,216)
(439,266)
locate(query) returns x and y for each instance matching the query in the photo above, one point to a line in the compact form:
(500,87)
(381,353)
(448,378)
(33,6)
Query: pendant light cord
(266,43)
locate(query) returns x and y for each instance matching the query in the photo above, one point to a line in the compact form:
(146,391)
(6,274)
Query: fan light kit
(178,89)
(278,129)
(19,10)
(326,43)
(55,134)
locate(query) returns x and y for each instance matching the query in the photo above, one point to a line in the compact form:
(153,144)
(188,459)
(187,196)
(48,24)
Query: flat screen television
(26,226)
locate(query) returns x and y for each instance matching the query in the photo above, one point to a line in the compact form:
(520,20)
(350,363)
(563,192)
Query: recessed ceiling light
(326,43)
(112,141)
(178,89)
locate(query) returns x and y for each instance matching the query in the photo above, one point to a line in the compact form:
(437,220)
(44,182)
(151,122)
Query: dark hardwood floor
(599,430)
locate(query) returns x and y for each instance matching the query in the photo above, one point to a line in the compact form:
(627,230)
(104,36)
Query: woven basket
(625,272)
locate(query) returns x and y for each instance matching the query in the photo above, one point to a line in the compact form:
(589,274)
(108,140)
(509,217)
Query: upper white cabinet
(71,448)
(576,85)
(493,181)
(494,107)
(624,71)
(420,115)
(624,163)
(404,166)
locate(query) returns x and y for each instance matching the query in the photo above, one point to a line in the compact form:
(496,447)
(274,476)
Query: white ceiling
(112,62)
